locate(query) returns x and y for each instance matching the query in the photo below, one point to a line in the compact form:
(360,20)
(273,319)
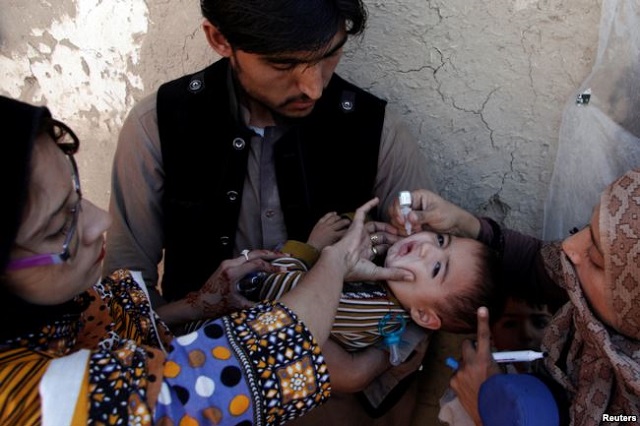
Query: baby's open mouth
(406,248)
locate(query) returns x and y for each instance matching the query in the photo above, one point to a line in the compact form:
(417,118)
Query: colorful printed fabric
(267,370)
(20,373)
(597,364)
(261,366)
(124,343)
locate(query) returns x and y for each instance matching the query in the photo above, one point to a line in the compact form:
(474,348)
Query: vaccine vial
(405,207)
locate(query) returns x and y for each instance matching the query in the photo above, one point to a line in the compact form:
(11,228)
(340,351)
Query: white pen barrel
(518,356)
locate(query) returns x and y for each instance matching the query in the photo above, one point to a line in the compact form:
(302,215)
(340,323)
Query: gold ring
(375,239)
(374,251)
(245,253)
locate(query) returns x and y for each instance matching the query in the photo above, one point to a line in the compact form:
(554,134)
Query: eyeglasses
(68,142)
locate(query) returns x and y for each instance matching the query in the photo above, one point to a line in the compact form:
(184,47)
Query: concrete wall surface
(482,83)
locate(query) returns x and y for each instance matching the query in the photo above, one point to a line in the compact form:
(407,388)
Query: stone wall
(482,83)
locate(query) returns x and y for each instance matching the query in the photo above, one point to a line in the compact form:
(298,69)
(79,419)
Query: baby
(453,277)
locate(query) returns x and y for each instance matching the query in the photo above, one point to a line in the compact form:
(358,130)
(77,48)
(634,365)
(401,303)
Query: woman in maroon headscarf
(593,341)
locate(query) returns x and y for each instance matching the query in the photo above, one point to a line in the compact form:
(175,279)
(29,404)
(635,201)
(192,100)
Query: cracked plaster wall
(482,83)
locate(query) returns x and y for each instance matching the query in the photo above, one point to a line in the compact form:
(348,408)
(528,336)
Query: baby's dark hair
(458,311)
(283,26)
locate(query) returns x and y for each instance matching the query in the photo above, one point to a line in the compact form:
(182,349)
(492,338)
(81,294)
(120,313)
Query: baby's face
(442,264)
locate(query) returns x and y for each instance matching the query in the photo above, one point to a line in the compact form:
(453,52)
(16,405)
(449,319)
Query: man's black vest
(325,162)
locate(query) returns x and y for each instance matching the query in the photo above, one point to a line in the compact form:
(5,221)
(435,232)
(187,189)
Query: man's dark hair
(458,312)
(283,26)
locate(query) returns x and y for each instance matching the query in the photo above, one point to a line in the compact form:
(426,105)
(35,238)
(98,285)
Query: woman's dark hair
(283,26)
(23,124)
(458,311)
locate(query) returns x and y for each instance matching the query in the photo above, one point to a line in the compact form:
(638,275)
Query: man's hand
(477,365)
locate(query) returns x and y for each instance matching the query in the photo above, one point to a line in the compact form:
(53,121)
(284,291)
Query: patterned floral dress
(117,363)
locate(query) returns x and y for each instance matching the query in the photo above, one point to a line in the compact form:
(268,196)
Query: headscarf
(599,366)
(620,235)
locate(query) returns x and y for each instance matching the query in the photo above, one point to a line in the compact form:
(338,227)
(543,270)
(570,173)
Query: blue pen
(452,363)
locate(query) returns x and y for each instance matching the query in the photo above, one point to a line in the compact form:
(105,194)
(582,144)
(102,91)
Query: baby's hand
(329,229)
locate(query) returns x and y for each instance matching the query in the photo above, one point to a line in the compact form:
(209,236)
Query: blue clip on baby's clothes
(391,327)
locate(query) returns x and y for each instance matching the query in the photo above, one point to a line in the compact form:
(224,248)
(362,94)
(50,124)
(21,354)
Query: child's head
(453,277)
(521,325)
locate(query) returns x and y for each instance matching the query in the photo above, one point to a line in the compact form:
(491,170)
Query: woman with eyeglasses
(75,348)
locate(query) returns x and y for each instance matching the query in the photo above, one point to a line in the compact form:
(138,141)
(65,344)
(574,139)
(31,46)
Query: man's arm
(135,239)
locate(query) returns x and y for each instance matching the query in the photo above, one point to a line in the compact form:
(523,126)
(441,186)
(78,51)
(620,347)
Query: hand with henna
(219,295)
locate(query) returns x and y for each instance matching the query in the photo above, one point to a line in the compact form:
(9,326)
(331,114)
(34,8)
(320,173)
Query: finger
(394,208)
(328,216)
(338,233)
(376,239)
(236,273)
(341,223)
(373,226)
(232,263)
(418,218)
(468,354)
(391,274)
(362,211)
(421,198)
(484,331)
(334,219)
(391,238)
(395,220)
(471,343)
(384,238)
(262,254)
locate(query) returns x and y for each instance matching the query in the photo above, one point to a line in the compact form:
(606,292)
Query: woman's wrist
(336,256)
(177,313)
(469,225)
